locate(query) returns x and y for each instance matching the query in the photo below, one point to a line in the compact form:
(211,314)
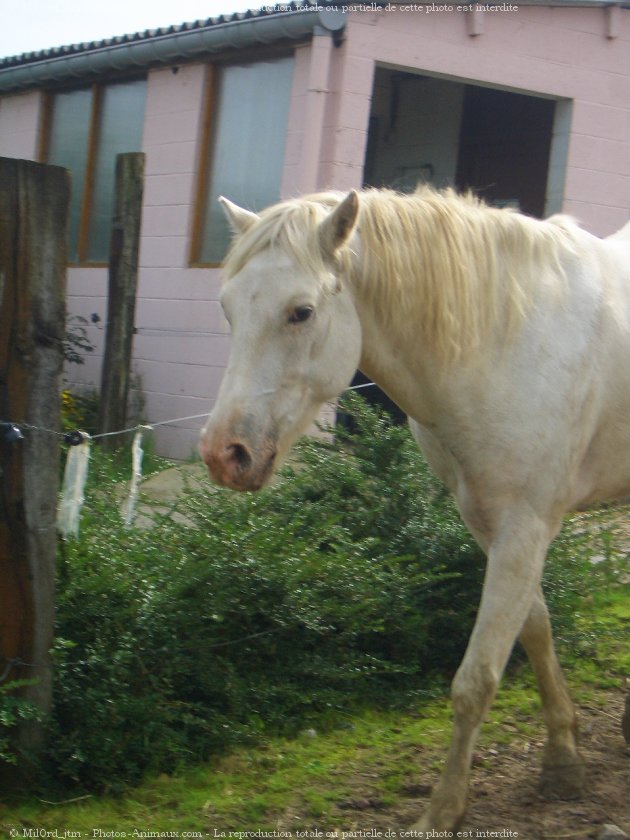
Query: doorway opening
(429,130)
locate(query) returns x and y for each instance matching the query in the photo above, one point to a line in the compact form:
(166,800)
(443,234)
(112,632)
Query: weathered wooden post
(121,305)
(34,201)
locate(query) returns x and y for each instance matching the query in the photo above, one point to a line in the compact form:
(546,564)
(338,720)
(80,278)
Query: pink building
(528,104)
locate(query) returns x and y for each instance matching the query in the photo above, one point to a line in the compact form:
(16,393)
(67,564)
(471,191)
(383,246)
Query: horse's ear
(339,225)
(239,218)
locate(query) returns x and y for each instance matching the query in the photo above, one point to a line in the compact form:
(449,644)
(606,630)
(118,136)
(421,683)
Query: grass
(248,788)
(295,784)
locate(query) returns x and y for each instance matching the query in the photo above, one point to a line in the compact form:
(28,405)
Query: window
(88,128)
(246,146)
(68,147)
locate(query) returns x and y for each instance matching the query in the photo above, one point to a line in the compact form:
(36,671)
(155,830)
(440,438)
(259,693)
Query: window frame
(204,157)
(97,90)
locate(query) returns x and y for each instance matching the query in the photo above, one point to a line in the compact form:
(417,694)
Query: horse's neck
(406,373)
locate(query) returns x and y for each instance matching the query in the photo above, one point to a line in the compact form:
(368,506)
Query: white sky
(27,25)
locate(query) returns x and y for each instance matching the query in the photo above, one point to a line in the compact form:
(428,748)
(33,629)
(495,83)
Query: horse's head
(296,342)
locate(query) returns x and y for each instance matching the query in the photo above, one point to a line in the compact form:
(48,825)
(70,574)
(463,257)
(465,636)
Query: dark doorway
(504,146)
(375,397)
(446,133)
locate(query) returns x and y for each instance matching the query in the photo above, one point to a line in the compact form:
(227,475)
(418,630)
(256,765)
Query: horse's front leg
(516,556)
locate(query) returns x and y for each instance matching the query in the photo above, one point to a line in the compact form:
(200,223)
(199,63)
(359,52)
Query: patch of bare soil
(503,796)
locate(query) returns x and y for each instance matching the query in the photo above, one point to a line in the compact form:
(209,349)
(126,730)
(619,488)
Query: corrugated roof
(149,34)
(83,63)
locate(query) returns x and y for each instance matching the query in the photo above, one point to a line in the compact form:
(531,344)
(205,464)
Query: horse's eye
(300,314)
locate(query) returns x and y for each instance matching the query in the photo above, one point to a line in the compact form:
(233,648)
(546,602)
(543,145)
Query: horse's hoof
(419,829)
(563,781)
(431,826)
(445,811)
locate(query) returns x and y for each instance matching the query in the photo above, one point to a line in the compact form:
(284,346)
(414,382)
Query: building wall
(181,347)
(580,55)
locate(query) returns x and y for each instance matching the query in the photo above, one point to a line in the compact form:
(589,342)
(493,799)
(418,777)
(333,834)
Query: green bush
(352,581)
(14,709)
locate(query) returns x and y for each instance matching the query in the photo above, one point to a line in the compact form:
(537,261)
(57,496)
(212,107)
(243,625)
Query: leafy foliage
(353,581)
(14,710)
(79,410)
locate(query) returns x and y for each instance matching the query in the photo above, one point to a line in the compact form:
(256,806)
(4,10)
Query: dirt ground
(504,796)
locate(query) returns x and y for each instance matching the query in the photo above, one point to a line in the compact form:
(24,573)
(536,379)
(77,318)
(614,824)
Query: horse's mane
(458,263)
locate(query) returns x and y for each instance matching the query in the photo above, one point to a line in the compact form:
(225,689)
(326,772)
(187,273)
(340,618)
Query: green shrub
(14,709)
(352,581)
(79,410)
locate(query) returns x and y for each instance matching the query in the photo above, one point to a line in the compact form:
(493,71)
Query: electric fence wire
(75,437)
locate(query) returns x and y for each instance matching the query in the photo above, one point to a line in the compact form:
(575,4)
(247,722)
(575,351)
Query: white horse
(507,342)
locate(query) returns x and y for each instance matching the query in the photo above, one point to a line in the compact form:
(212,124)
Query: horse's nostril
(240,455)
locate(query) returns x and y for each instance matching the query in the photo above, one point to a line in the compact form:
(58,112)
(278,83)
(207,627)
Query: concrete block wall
(292,178)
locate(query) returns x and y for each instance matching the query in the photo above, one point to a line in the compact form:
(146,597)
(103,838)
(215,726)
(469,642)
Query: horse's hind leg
(563,770)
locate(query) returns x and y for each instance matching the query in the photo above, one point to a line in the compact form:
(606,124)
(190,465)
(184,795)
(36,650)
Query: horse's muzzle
(234,464)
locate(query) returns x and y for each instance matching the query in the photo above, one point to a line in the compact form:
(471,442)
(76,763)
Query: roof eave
(92,61)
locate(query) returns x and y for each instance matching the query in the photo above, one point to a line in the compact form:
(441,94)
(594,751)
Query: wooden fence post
(34,201)
(121,303)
